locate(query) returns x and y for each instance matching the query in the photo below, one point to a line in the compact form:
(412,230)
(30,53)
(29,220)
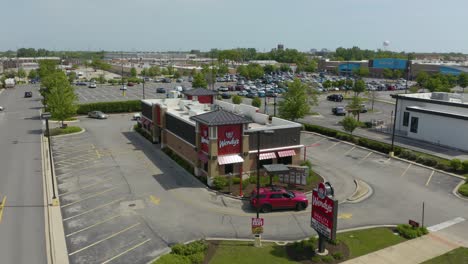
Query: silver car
(97,114)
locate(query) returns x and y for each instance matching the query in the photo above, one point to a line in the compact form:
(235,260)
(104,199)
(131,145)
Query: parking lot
(99,210)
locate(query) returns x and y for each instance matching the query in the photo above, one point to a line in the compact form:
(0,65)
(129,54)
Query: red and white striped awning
(229,159)
(203,157)
(286,153)
(267,155)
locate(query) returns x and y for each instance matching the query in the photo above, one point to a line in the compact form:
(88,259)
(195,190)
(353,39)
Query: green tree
(133,72)
(269,68)
(355,106)
(170,70)
(99,64)
(297,101)
(463,80)
(21,73)
(223,69)
(362,72)
(285,68)
(256,102)
(236,99)
(71,77)
(61,97)
(243,71)
(101,79)
(327,84)
(387,73)
(199,81)
(349,124)
(422,78)
(397,74)
(32,74)
(47,67)
(359,87)
(177,74)
(143,72)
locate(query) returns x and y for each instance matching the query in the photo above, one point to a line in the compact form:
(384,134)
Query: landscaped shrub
(189,249)
(465,166)
(463,190)
(110,107)
(430,162)
(420,160)
(412,156)
(328,259)
(442,166)
(337,255)
(315,259)
(409,232)
(455,164)
(404,154)
(197,258)
(235,180)
(219,182)
(182,162)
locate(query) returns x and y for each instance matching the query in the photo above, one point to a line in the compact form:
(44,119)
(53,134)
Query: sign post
(324,214)
(257,231)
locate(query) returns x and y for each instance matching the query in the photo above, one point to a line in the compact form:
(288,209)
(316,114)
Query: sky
(181,25)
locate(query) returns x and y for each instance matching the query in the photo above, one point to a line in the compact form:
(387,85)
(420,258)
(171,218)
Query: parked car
(97,114)
(179,80)
(225,95)
(242,93)
(339,110)
(92,85)
(271,94)
(261,94)
(223,89)
(190,79)
(160,90)
(167,80)
(335,97)
(1,108)
(81,83)
(272,198)
(130,84)
(27,94)
(123,88)
(251,95)
(136,116)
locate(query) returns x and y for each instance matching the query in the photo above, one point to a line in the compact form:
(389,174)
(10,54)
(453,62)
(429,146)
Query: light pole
(392,152)
(46,116)
(258,165)
(143,87)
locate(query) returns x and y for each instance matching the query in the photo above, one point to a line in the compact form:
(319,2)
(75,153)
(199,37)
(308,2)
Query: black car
(167,80)
(225,95)
(160,90)
(27,94)
(335,97)
(339,110)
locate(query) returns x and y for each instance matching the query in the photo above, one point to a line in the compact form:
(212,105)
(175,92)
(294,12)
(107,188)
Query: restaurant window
(228,168)
(285,160)
(265,162)
(414,125)
(405,119)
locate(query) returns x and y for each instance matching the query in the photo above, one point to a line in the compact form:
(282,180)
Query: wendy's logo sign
(204,138)
(321,191)
(229,139)
(229,134)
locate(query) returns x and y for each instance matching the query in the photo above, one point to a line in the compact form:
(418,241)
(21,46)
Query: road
(22,232)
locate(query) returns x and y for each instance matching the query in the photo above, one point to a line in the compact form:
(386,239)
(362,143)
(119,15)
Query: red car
(130,84)
(272,198)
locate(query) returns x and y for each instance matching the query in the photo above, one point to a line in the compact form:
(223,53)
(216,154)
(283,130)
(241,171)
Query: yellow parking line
(80,169)
(405,170)
(104,239)
(155,200)
(87,186)
(93,225)
(126,251)
(98,154)
(89,197)
(2,206)
(349,150)
(430,177)
(75,164)
(336,143)
(94,209)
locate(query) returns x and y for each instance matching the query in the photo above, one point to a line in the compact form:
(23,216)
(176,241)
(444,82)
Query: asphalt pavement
(22,234)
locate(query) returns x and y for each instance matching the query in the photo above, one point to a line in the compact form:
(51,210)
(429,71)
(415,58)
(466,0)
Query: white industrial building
(438,118)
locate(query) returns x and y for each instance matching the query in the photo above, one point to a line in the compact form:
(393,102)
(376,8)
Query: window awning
(229,159)
(268,155)
(286,153)
(203,157)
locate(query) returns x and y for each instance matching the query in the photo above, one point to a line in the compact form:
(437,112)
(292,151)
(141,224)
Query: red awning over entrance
(229,159)
(286,153)
(268,155)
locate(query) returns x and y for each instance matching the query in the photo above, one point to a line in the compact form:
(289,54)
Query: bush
(455,164)
(465,166)
(256,102)
(337,255)
(368,124)
(442,166)
(110,107)
(420,160)
(430,162)
(463,190)
(410,232)
(412,156)
(327,259)
(63,131)
(219,182)
(189,249)
(197,258)
(235,180)
(172,259)
(143,132)
(307,163)
(236,99)
(182,162)
(315,259)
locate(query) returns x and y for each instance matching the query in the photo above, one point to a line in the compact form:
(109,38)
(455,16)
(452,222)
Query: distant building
(280,47)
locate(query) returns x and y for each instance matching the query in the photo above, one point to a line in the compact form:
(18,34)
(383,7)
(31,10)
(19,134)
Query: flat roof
(450,99)
(437,112)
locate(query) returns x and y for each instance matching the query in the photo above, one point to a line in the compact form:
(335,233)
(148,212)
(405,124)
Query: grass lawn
(459,255)
(362,242)
(233,252)
(463,190)
(68,119)
(63,131)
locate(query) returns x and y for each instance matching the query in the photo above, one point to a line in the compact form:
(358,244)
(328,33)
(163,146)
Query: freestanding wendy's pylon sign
(324,213)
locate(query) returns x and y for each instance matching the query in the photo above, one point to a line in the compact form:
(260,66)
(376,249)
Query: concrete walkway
(412,251)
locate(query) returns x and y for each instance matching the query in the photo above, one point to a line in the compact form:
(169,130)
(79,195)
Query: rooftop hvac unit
(439,96)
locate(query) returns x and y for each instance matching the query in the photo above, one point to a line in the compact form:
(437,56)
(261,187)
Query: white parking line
(368,154)
(93,225)
(404,172)
(126,251)
(94,209)
(104,179)
(104,239)
(332,146)
(430,177)
(91,196)
(446,224)
(349,150)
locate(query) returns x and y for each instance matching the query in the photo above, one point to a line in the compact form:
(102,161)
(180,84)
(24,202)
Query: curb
(56,121)
(77,133)
(360,198)
(455,191)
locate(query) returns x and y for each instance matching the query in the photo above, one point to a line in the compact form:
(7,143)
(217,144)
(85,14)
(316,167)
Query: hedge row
(143,132)
(192,253)
(110,107)
(410,232)
(182,162)
(454,165)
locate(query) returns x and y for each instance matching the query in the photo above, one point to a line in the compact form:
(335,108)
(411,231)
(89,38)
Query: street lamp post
(143,87)
(46,116)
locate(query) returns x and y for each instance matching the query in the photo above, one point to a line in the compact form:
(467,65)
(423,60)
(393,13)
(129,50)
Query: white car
(92,85)
(1,108)
(123,88)
(136,116)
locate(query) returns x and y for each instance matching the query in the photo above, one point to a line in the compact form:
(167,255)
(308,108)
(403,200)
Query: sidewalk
(412,251)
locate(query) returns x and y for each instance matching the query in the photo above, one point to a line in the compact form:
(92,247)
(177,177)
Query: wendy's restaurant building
(220,138)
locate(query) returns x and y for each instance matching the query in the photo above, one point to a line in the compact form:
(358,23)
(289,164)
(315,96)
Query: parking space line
(407,168)
(91,196)
(368,154)
(93,225)
(64,154)
(94,209)
(126,251)
(75,164)
(319,141)
(430,177)
(87,186)
(349,150)
(104,239)
(2,207)
(332,146)
(81,169)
